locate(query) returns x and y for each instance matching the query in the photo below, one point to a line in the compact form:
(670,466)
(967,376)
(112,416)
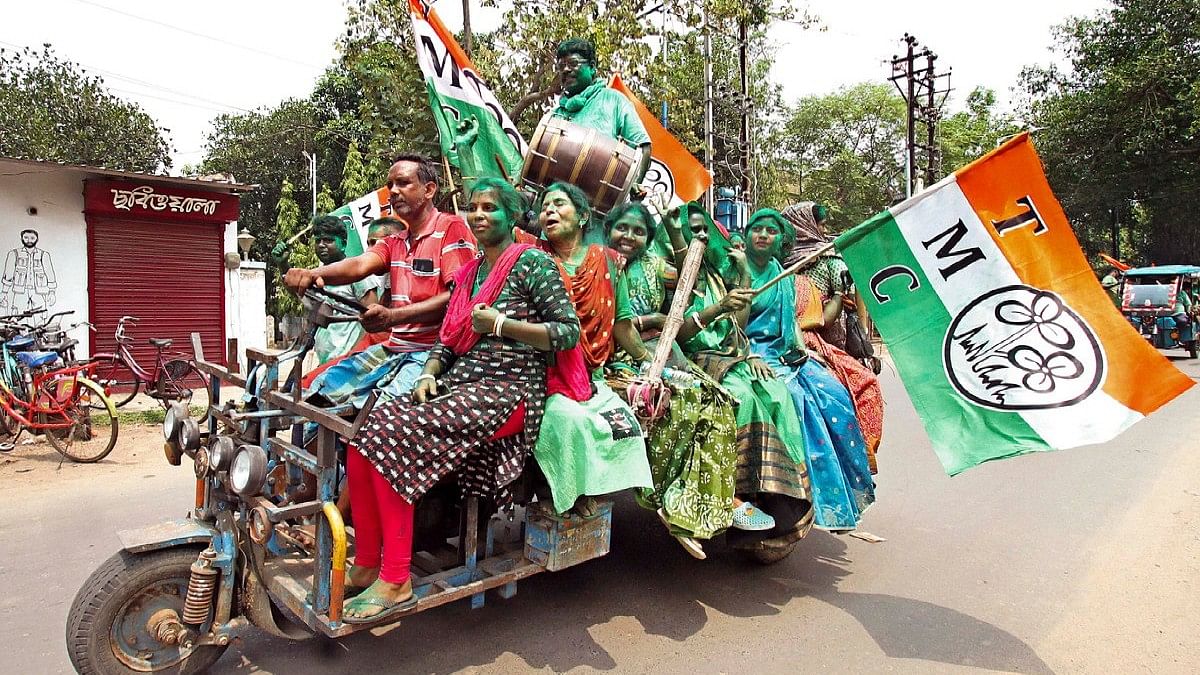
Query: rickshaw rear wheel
(1193,351)
(104,625)
(768,555)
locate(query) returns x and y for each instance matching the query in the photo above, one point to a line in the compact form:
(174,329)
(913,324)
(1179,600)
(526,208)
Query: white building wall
(246,307)
(57,197)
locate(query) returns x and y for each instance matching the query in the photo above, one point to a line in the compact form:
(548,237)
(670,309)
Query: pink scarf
(567,376)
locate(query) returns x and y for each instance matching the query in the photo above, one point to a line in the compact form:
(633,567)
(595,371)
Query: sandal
(389,608)
(586,507)
(751,518)
(689,544)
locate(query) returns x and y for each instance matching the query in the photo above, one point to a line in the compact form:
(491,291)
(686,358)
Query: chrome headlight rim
(221,452)
(188,436)
(173,417)
(248,471)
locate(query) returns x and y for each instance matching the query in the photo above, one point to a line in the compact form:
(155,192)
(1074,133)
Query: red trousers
(383,521)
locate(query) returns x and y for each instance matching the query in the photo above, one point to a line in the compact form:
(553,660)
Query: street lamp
(244,241)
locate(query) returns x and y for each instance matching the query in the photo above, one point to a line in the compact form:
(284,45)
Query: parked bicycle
(174,377)
(40,394)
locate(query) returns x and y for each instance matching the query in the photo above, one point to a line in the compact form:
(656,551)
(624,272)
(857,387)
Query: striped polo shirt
(421,269)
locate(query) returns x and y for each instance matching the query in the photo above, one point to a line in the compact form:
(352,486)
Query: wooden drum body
(600,165)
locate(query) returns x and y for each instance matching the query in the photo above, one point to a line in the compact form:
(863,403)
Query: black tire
(180,380)
(117,378)
(94,429)
(104,600)
(1193,351)
(768,555)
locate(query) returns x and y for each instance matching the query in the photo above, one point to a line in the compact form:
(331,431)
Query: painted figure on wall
(28,281)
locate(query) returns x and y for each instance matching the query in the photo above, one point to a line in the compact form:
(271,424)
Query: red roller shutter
(169,275)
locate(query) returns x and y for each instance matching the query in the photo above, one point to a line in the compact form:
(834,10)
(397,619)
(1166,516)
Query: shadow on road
(648,578)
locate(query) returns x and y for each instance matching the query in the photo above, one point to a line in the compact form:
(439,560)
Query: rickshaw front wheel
(1193,351)
(111,627)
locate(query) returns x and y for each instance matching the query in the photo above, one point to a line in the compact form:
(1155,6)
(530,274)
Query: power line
(145,83)
(188,31)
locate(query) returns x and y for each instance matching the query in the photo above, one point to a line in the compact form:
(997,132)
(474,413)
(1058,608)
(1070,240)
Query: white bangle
(696,320)
(500,319)
(426,376)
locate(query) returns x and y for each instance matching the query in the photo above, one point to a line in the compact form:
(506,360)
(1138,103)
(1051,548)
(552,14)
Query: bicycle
(72,411)
(172,379)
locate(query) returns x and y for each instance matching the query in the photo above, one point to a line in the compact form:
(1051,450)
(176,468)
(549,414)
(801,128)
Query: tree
(325,203)
(846,150)
(354,175)
(969,134)
(54,110)
(287,224)
(1121,127)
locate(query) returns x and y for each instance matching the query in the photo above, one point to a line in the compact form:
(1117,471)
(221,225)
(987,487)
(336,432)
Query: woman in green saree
(770,442)
(691,450)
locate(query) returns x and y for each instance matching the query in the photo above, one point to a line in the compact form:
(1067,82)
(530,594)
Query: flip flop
(376,601)
(689,544)
(751,518)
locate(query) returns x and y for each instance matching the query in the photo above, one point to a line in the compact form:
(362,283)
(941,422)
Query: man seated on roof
(421,261)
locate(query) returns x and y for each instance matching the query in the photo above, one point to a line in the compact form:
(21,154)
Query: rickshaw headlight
(248,471)
(176,413)
(188,435)
(221,453)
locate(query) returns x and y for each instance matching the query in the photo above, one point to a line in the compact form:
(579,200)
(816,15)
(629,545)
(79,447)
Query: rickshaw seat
(36,359)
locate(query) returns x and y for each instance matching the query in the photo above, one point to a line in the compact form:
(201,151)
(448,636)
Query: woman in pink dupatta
(477,407)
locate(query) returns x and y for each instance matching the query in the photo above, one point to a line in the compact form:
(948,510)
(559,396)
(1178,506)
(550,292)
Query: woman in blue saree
(834,449)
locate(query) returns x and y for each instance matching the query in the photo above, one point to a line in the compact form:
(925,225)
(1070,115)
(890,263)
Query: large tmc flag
(1003,337)
(674,173)
(456,92)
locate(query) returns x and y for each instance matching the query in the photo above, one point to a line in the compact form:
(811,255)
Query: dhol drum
(602,166)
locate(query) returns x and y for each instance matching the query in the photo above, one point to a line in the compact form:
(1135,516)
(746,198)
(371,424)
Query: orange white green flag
(1004,339)
(456,93)
(674,173)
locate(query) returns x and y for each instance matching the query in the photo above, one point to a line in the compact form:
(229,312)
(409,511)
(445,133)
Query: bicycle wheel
(117,378)
(94,427)
(180,380)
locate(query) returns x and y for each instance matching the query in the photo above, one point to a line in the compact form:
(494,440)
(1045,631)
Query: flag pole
(450,180)
(795,267)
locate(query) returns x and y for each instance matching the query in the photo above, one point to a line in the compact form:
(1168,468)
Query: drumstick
(683,296)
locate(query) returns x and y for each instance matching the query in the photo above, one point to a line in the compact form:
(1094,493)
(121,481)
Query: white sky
(239,55)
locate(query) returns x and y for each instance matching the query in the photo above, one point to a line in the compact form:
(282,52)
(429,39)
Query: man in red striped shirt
(420,260)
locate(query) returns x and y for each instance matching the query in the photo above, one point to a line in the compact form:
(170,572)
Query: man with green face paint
(590,102)
(329,240)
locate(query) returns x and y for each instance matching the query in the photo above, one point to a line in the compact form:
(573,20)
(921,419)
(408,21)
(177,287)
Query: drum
(598,164)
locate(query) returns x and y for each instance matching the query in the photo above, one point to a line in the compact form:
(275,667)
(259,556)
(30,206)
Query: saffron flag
(674,174)
(456,92)
(1004,339)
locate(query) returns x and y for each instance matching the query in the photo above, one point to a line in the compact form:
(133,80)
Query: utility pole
(744,136)
(922,83)
(466,4)
(708,111)
(312,177)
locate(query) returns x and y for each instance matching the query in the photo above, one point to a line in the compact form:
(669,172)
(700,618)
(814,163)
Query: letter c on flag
(886,273)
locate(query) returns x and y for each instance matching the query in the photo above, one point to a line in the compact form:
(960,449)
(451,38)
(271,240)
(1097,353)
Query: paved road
(1084,560)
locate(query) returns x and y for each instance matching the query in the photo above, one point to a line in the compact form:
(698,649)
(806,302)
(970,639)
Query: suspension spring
(202,588)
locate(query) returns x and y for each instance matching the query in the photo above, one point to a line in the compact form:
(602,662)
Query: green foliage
(325,203)
(1121,128)
(54,110)
(354,175)
(969,134)
(287,224)
(846,150)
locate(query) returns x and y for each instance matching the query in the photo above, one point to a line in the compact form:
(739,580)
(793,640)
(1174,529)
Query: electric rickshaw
(1150,298)
(175,594)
